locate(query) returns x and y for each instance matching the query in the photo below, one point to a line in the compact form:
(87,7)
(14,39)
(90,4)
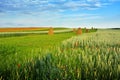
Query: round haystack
(79,31)
(50,32)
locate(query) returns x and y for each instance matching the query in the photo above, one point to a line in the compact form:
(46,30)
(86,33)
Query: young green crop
(91,56)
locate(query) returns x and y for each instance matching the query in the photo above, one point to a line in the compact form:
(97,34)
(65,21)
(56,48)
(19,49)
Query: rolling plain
(92,55)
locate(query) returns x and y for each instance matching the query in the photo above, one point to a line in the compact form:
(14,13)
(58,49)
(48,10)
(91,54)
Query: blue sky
(56,13)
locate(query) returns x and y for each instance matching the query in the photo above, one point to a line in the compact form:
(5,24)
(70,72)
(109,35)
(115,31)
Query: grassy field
(20,29)
(9,32)
(29,29)
(65,56)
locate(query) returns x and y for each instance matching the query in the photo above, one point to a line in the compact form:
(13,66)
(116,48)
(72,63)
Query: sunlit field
(93,55)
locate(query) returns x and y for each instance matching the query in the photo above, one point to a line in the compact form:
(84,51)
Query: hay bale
(79,31)
(50,32)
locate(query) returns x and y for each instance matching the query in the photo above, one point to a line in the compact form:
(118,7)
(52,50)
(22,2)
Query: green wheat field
(62,56)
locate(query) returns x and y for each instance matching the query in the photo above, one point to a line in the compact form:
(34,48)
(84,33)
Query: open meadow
(91,55)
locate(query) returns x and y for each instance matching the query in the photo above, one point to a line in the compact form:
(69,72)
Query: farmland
(9,32)
(28,29)
(63,56)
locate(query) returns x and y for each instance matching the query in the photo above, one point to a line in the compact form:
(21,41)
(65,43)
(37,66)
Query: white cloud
(51,12)
(49,19)
(52,5)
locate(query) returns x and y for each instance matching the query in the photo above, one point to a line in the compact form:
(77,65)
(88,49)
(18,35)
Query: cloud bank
(54,12)
(51,5)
